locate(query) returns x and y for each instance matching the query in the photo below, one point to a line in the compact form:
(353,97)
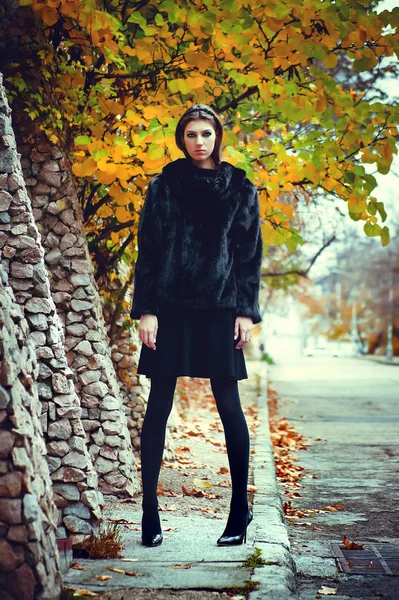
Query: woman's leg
(225,390)
(152,442)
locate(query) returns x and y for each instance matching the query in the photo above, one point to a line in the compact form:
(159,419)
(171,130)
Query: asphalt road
(353,406)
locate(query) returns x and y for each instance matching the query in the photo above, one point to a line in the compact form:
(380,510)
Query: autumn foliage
(112,79)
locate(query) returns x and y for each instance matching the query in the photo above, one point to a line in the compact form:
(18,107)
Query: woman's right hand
(148,329)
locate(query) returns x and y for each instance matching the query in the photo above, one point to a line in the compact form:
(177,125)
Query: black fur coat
(199,241)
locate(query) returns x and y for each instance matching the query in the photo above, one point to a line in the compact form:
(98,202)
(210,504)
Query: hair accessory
(193,109)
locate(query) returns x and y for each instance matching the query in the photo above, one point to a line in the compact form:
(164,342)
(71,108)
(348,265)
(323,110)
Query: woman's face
(199,139)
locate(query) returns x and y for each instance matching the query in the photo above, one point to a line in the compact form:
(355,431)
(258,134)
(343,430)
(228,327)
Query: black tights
(160,402)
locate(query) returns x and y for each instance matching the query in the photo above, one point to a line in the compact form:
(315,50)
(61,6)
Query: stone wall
(21,256)
(28,517)
(58,215)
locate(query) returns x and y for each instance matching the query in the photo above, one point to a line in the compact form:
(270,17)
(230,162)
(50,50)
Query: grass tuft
(107,542)
(254,560)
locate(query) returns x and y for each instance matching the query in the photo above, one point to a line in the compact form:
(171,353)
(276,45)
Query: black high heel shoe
(150,539)
(233,540)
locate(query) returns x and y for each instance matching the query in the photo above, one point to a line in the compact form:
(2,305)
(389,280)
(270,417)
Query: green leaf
(349,177)
(154,151)
(293,241)
(381,210)
(138,19)
(372,230)
(385,237)
(362,64)
(82,140)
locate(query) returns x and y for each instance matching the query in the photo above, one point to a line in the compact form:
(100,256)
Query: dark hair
(195,112)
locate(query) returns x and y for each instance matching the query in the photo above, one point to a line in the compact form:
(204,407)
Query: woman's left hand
(243,326)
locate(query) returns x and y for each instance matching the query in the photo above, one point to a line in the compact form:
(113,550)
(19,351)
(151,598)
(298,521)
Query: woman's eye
(207,133)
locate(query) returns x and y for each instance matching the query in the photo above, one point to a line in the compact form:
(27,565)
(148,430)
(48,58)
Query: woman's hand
(148,329)
(243,326)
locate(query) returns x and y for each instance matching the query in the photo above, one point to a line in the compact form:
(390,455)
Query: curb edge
(277,579)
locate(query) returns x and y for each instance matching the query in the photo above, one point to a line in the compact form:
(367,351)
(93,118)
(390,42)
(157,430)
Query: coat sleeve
(149,238)
(248,253)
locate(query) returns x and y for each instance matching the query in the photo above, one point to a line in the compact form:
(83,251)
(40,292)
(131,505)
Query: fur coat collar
(203,194)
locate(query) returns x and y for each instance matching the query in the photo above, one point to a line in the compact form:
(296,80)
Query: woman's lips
(201,151)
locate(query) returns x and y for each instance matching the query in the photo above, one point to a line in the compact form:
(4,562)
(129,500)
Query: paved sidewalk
(188,565)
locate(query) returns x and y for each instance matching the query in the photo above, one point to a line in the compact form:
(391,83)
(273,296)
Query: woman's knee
(223,385)
(162,393)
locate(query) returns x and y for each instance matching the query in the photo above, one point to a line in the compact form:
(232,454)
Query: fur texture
(199,241)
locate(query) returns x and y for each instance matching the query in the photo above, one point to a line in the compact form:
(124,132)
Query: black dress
(194,342)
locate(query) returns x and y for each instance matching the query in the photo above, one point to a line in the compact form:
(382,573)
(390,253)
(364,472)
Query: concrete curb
(277,579)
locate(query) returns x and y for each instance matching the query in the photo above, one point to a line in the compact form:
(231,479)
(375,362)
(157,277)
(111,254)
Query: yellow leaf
(151,112)
(199,59)
(330,60)
(103,577)
(84,593)
(105,166)
(201,483)
(85,169)
(106,178)
(122,214)
(129,51)
(132,118)
(121,571)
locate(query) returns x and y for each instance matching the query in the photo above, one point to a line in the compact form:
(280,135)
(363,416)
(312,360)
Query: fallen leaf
(116,570)
(202,483)
(327,591)
(118,520)
(223,470)
(172,507)
(335,507)
(193,492)
(103,577)
(350,545)
(130,559)
(84,593)
(131,573)
(77,566)
(181,566)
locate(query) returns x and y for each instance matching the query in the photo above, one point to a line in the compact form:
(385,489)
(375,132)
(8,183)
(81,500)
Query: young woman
(196,293)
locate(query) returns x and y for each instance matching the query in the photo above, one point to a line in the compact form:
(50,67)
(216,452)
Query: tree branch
(301,272)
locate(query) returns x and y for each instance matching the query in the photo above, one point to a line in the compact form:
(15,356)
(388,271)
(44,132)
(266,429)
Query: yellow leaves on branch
(221,56)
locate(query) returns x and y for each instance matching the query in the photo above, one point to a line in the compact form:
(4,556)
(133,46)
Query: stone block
(76,525)
(18,534)
(11,557)
(103,465)
(11,511)
(67,491)
(60,430)
(78,510)
(10,484)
